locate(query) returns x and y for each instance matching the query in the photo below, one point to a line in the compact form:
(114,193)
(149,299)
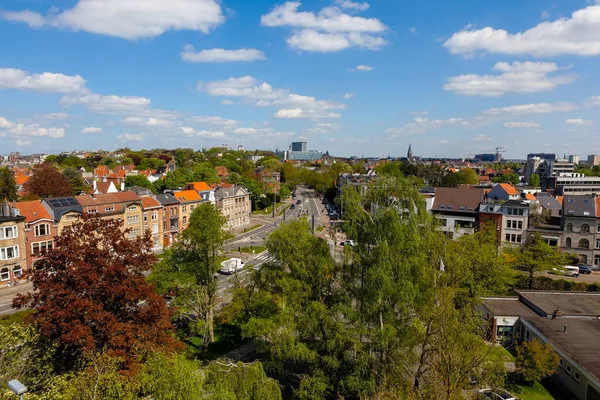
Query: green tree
(151,164)
(239,381)
(178,178)
(468,176)
(73,175)
(284,191)
(190,266)
(534,180)
(535,360)
(8,186)
(139,180)
(205,172)
(535,256)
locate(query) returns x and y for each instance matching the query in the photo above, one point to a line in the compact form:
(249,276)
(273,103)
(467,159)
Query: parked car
(231,266)
(334,217)
(348,243)
(584,269)
(496,394)
(567,270)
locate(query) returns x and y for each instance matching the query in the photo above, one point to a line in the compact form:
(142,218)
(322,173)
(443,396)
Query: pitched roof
(547,201)
(529,196)
(150,202)
(166,199)
(231,191)
(453,199)
(110,198)
(187,195)
(103,187)
(509,189)
(200,186)
(32,210)
(579,206)
(221,170)
(21,179)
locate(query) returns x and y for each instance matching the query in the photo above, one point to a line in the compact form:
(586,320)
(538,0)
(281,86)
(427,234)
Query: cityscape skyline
(351,78)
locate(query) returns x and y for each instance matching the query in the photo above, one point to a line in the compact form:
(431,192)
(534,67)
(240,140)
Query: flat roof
(507,307)
(580,342)
(568,303)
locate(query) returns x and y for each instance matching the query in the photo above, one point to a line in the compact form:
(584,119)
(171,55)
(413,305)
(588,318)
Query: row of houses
(29,228)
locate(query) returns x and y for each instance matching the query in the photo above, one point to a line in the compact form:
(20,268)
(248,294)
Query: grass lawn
(499,353)
(266,211)
(535,392)
(252,228)
(320,229)
(257,249)
(16,318)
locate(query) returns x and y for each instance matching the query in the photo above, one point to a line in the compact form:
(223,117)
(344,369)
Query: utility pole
(274,203)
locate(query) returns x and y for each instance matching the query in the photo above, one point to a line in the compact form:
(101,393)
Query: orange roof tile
(150,202)
(32,210)
(530,196)
(187,195)
(21,179)
(221,170)
(200,186)
(509,189)
(560,199)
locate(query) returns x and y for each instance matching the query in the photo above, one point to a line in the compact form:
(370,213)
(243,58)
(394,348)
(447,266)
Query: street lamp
(17,388)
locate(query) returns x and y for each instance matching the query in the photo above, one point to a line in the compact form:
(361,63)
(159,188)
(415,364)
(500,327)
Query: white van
(231,266)
(571,271)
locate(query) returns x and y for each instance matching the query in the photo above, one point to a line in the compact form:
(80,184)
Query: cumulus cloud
(55,116)
(47,82)
(226,103)
(131,19)
(330,30)
(348,96)
(23,142)
(147,122)
(482,138)
(522,125)
(131,137)
(580,122)
(362,68)
(516,77)
(91,129)
(15,130)
(577,35)
(353,6)
(220,55)
(114,105)
(213,121)
(262,94)
(593,102)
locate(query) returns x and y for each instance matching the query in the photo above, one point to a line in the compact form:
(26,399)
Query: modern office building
(574,159)
(593,160)
(299,146)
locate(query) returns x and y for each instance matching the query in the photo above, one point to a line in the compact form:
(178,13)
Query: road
(227,281)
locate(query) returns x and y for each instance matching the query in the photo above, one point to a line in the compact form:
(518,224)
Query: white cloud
(545,15)
(262,94)
(131,19)
(46,82)
(578,35)
(23,142)
(147,122)
(348,96)
(350,5)
(299,113)
(37,131)
(113,104)
(579,121)
(56,116)
(330,30)
(518,77)
(245,131)
(422,125)
(536,108)
(131,137)
(592,102)
(362,68)
(522,125)
(220,55)
(442,141)
(5,124)
(412,29)
(203,133)
(33,19)
(214,121)
(226,103)
(482,138)
(91,129)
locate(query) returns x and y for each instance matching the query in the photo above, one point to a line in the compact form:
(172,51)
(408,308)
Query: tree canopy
(47,181)
(8,186)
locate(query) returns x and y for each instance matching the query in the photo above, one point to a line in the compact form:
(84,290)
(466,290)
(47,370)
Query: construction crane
(498,151)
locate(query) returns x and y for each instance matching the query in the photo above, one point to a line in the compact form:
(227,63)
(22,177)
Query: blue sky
(352,77)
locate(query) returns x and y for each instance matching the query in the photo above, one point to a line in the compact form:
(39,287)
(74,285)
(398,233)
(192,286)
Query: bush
(536,361)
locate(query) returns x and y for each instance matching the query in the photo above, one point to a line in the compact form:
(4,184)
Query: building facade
(234,203)
(188,201)
(13,254)
(40,230)
(170,218)
(153,217)
(580,228)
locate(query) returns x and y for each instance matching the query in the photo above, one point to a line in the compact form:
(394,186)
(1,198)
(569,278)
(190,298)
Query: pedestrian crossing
(261,258)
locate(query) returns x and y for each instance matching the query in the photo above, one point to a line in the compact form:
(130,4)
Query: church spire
(409,155)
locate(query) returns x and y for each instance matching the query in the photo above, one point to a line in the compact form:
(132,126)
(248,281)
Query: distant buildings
(298,146)
(298,152)
(593,160)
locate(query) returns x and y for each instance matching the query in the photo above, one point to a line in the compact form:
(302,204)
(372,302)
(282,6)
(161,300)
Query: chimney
(122,186)
(94,185)
(565,328)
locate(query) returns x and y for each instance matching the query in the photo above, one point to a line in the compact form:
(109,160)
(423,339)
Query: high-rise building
(593,160)
(299,146)
(574,159)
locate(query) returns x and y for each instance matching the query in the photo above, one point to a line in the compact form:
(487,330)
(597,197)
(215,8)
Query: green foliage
(535,360)
(8,186)
(73,175)
(139,180)
(151,164)
(512,178)
(535,255)
(172,378)
(534,180)
(239,381)
(178,178)
(205,172)
(467,176)
(284,191)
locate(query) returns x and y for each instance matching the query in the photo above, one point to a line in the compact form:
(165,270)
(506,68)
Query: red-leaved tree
(91,296)
(47,181)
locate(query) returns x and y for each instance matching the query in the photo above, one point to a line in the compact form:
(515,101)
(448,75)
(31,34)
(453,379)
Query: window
(584,244)
(583,258)
(576,376)
(109,208)
(145,217)
(444,221)
(561,364)
(526,334)
(154,215)
(552,242)
(569,227)
(155,228)
(134,233)
(192,208)
(568,368)
(508,224)
(184,220)
(42,230)
(17,271)
(133,219)
(41,247)
(4,274)
(568,242)
(132,208)
(9,232)
(508,237)
(9,253)
(184,208)
(584,228)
